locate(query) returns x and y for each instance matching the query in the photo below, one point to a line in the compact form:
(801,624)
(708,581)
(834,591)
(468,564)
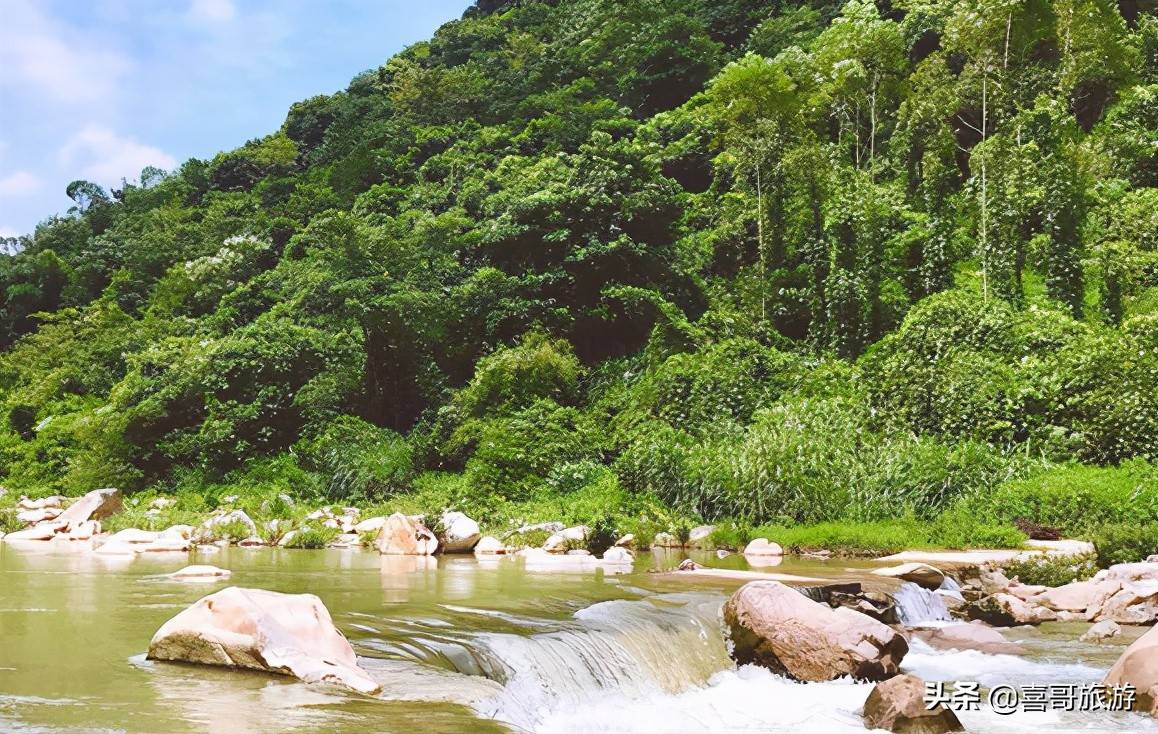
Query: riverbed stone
(42,531)
(210,527)
(777,627)
(490,546)
(403,536)
(1006,610)
(666,540)
(1138,667)
(370,525)
(201,573)
(55,501)
(898,705)
(289,634)
(459,533)
(617,554)
(1078,596)
(96,505)
(1135,603)
(1140,571)
(921,574)
(763,547)
(701,537)
(969,637)
(35,517)
(1100,631)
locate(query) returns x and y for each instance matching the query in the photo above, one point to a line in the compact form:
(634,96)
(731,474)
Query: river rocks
(212,528)
(763,547)
(1141,571)
(43,531)
(1025,592)
(96,505)
(35,517)
(201,573)
(877,606)
(1006,610)
(289,634)
(55,502)
(84,530)
(404,536)
(777,627)
(490,546)
(127,542)
(1103,630)
(1078,596)
(459,533)
(618,555)
(969,637)
(993,581)
(701,537)
(1138,667)
(566,539)
(898,705)
(666,540)
(627,541)
(1135,603)
(920,574)
(370,525)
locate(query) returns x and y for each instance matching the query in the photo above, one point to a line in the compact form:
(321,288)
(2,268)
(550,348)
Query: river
(460,646)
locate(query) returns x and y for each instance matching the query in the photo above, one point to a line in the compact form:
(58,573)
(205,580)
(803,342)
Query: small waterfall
(916,605)
(634,648)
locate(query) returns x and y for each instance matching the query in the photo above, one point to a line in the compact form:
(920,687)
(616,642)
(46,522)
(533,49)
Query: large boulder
(921,574)
(1140,571)
(1138,667)
(1135,603)
(404,536)
(289,634)
(898,705)
(1078,596)
(96,505)
(1006,610)
(779,628)
(459,533)
(970,637)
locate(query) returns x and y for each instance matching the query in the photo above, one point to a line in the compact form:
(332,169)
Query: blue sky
(98,89)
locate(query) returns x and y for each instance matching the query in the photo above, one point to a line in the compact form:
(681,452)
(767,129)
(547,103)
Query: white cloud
(212,11)
(18,184)
(66,64)
(98,154)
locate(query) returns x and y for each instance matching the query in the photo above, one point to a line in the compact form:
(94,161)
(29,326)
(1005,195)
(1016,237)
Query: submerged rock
(898,705)
(404,536)
(1138,667)
(1103,630)
(201,573)
(970,637)
(288,634)
(921,574)
(779,628)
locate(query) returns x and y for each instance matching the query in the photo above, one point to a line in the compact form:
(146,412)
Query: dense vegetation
(638,262)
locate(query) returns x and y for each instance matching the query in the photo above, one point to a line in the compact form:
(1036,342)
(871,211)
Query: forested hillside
(637,261)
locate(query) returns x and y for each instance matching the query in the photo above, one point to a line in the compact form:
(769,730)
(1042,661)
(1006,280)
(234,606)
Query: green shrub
(360,461)
(1052,570)
(515,377)
(1075,498)
(313,537)
(1125,542)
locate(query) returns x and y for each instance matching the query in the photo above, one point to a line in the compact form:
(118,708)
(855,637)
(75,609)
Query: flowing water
(460,646)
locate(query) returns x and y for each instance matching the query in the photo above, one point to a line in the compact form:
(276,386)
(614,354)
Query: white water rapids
(660,666)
